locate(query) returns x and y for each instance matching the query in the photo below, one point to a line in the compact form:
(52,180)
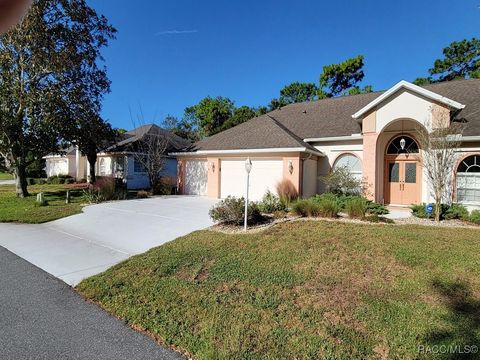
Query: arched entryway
(402,180)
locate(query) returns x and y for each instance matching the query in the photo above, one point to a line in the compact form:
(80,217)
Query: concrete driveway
(86,244)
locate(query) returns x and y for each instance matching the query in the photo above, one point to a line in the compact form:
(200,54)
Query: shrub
(419,211)
(306,208)
(475,217)
(287,191)
(374,208)
(142,194)
(60,179)
(271,203)
(456,211)
(316,207)
(105,188)
(356,208)
(166,186)
(341,181)
(232,211)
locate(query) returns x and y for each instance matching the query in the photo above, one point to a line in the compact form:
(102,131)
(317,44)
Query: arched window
(468,180)
(103,168)
(350,162)
(402,145)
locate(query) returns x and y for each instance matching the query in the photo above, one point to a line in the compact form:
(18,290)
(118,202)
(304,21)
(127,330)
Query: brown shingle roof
(286,127)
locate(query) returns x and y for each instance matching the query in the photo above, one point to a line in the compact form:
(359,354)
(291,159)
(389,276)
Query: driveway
(86,244)
(43,318)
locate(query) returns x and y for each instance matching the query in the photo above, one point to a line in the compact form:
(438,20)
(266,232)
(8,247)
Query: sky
(170,54)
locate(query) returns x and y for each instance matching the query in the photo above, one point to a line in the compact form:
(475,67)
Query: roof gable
(405,85)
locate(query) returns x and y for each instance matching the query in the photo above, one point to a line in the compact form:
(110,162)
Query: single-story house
(119,160)
(373,134)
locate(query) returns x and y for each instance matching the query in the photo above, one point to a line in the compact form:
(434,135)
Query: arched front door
(402,172)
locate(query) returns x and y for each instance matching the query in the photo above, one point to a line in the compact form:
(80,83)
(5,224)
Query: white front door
(196,177)
(265,175)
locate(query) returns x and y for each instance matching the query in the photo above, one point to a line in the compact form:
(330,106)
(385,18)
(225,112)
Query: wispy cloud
(176,32)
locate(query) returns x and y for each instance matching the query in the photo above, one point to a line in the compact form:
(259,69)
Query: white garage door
(196,175)
(264,176)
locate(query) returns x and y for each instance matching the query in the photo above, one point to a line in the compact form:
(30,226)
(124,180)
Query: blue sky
(170,54)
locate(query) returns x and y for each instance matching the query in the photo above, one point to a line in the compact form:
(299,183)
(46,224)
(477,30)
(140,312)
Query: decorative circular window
(402,145)
(468,180)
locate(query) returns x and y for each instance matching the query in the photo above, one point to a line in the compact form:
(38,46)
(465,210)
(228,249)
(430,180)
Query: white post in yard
(248,168)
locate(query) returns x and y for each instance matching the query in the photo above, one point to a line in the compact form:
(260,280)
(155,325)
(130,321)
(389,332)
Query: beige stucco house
(373,134)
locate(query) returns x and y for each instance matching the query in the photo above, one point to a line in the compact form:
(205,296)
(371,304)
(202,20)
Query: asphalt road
(43,318)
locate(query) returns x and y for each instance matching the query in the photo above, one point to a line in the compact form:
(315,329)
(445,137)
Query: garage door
(196,174)
(264,176)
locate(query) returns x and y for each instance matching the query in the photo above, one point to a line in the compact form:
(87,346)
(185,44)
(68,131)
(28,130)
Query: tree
(439,146)
(210,114)
(92,136)
(461,61)
(240,115)
(337,79)
(149,151)
(298,92)
(422,81)
(49,73)
(186,128)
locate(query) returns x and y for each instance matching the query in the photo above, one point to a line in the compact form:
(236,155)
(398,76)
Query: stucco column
(370,164)
(213,183)
(296,175)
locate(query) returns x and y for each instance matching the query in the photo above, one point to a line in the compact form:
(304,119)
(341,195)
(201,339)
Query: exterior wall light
(212,166)
(402,143)
(290,167)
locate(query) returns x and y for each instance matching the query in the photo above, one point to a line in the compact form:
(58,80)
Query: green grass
(13,209)
(5,176)
(303,290)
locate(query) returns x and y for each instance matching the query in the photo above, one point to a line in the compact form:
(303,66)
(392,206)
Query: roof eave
(412,87)
(248,151)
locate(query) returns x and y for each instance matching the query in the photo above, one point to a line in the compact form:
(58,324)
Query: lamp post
(248,168)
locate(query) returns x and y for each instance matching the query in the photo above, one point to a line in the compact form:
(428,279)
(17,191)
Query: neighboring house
(119,159)
(301,142)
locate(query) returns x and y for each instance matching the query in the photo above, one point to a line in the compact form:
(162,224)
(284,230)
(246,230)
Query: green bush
(232,211)
(419,211)
(475,217)
(306,208)
(374,208)
(456,211)
(341,181)
(60,179)
(271,203)
(356,208)
(342,200)
(325,207)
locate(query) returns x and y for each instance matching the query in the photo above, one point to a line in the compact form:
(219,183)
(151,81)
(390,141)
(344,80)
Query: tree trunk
(20,173)
(92,159)
(438,210)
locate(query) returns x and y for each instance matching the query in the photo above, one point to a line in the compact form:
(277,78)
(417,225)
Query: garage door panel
(196,176)
(264,176)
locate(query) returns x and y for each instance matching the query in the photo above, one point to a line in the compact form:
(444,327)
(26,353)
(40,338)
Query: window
(468,180)
(103,167)
(402,145)
(137,166)
(119,165)
(352,163)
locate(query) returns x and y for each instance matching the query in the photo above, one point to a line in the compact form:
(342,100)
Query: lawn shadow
(462,320)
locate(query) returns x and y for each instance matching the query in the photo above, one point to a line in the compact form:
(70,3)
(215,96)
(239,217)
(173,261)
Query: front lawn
(305,289)
(5,176)
(13,209)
